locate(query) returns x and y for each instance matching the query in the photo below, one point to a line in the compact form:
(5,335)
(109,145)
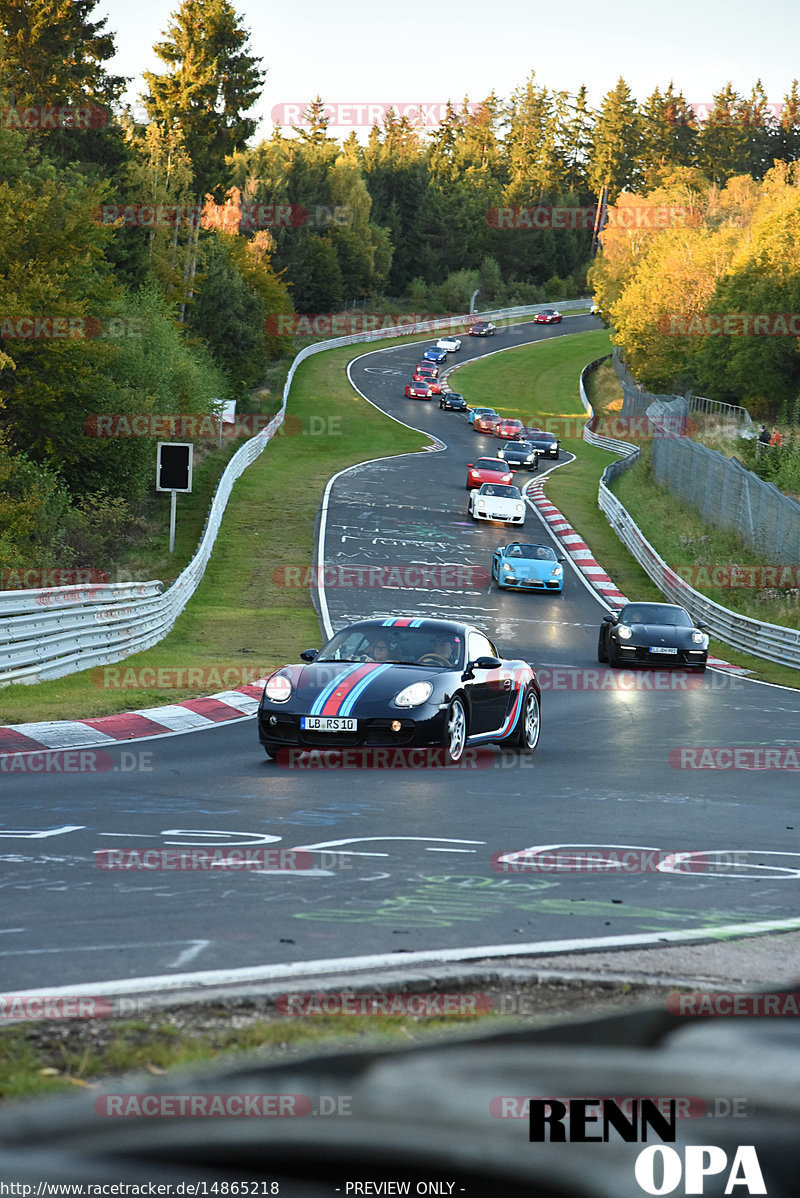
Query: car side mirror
(701,626)
(309,654)
(562,559)
(470,466)
(609,619)
(487,663)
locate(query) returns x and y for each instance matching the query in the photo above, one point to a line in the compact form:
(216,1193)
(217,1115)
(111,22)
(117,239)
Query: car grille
(287,731)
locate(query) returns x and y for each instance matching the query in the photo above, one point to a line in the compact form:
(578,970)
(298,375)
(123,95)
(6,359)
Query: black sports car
(662,633)
(481,328)
(520,455)
(451,401)
(401,683)
(548,444)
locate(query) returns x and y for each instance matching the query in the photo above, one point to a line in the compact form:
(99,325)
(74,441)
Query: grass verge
(241,620)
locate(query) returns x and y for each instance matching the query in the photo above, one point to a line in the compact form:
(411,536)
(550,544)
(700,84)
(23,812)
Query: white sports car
(451,344)
(497,501)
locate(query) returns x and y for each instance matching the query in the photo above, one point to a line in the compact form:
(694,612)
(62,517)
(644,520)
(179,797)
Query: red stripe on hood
(344,687)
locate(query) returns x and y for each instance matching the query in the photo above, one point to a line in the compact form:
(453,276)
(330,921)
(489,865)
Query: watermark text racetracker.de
(350,324)
(236,859)
(199,678)
(729,324)
(633,216)
(78,761)
(450,576)
(614,859)
(782,576)
(236,1106)
(380,1003)
(362,114)
(53,116)
(250,215)
(734,757)
(208,426)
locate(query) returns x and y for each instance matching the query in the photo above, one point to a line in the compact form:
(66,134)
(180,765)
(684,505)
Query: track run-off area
(417,865)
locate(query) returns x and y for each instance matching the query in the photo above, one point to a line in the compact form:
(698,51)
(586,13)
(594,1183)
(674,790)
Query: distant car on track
(473,412)
(661,634)
(495,501)
(548,316)
(525,567)
(434,354)
(418,391)
(510,430)
(485,422)
(548,444)
(425,370)
(451,401)
(440,684)
(482,328)
(450,344)
(520,455)
(487,470)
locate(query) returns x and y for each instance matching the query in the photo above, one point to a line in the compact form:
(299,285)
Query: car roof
(498,462)
(422,623)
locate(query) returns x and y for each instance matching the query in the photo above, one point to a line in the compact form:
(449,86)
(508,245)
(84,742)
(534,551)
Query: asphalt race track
(404,858)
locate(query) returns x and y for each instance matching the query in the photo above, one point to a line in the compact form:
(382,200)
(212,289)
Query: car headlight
(475,473)
(520,508)
(700,638)
(530,458)
(414,695)
(508,569)
(558,571)
(278,688)
(624,632)
(482,504)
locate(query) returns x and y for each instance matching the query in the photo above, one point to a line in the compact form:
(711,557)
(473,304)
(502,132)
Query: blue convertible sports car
(528,567)
(434,354)
(401,683)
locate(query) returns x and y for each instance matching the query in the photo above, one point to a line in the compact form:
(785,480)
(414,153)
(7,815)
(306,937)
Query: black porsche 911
(520,455)
(403,682)
(651,633)
(451,401)
(548,444)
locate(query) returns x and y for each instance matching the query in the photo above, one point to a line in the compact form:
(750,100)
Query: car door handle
(506,684)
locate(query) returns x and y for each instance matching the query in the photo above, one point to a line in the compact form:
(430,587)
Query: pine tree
(210,83)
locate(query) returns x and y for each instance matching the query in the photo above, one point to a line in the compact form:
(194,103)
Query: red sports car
(548,316)
(488,470)
(418,391)
(436,386)
(484,422)
(425,371)
(510,429)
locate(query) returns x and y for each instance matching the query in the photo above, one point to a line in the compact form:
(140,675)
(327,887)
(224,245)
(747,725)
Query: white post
(172,510)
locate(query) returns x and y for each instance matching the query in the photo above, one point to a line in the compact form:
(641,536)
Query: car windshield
(487,415)
(545,437)
(500,489)
(656,613)
(540,552)
(396,646)
(491,464)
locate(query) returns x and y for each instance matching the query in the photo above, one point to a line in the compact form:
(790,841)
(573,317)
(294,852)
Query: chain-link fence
(729,496)
(724,493)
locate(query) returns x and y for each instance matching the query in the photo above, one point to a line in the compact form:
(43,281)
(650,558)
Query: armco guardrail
(769,641)
(51,632)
